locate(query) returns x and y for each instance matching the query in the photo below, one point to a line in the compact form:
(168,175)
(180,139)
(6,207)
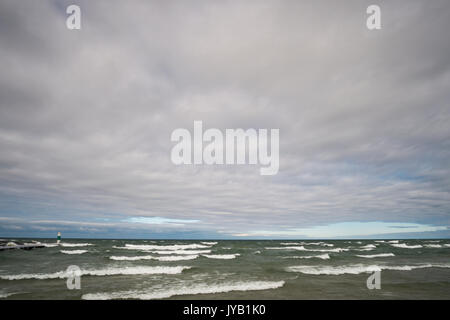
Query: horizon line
(231,239)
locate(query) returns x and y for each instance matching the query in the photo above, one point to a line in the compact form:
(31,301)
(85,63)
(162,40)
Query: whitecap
(73,251)
(221,256)
(163,247)
(380,255)
(67,244)
(190,252)
(134,258)
(290,243)
(50,245)
(302,248)
(203,288)
(176,258)
(320,256)
(165,258)
(319,244)
(357,268)
(136,270)
(6,295)
(405,246)
(369,246)
(433,246)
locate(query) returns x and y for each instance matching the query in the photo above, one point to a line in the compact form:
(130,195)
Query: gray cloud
(86,116)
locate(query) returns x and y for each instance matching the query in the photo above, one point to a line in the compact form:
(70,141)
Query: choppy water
(159,269)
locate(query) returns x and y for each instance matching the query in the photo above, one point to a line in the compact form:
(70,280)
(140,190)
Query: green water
(215,269)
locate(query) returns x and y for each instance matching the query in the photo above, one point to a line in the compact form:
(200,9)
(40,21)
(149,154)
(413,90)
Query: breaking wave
(190,252)
(320,256)
(302,248)
(138,270)
(73,251)
(357,268)
(6,295)
(163,247)
(221,256)
(320,243)
(191,290)
(165,258)
(380,255)
(65,244)
(405,246)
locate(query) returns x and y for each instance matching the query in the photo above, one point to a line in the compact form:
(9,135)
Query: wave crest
(137,270)
(192,290)
(221,256)
(73,251)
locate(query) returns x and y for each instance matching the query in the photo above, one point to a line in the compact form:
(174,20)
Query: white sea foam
(163,247)
(330,250)
(6,295)
(189,252)
(136,270)
(177,258)
(73,251)
(134,258)
(380,255)
(164,258)
(186,290)
(357,268)
(221,256)
(367,246)
(320,256)
(405,246)
(433,246)
(209,243)
(66,244)
(393,241)
(302,248)
(299,248)
(50,245)
(321,243)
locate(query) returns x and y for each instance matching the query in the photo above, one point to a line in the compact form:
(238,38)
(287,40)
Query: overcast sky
(86,117)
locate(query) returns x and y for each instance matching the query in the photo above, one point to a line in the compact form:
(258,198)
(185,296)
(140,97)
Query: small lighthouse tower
(58,238)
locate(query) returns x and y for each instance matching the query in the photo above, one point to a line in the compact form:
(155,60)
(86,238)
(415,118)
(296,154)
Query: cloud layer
(86,116)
